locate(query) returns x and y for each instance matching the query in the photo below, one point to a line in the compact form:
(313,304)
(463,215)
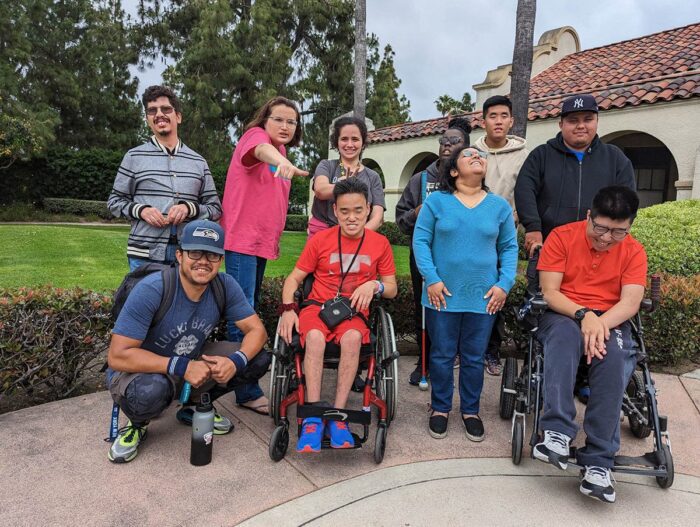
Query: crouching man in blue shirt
(149,363)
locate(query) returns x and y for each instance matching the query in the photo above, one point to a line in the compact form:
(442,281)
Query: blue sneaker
(340,434)
(311,435)
(583,393)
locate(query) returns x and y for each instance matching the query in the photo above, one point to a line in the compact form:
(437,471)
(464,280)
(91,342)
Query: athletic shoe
(417,375)
(311,435)
(456,364)
(596,483)
(340,434)
(583,393)
(358,385)
(554,449)
(125,446)
(493,366)
(437,425)
(474,428)
(222,425)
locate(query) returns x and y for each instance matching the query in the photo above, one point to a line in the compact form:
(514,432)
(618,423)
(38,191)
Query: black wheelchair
(521,391)
(287,385)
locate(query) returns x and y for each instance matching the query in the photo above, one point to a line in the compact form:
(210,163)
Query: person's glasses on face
(279,121)
(451,140)
(616,233)
(153,110)
(211,257)
(470,152)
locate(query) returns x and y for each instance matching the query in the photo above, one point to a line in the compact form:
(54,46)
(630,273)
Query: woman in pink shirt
(256,197)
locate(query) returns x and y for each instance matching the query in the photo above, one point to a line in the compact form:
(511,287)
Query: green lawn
(95,257)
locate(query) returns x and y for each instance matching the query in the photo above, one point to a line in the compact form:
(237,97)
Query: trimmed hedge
(394,234)
(52,340)
(79,207)
(296,223)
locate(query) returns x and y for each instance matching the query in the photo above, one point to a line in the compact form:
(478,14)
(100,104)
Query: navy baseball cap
(203,235)
(579,103)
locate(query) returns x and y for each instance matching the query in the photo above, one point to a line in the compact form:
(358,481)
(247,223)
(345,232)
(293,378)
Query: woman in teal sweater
(466,249)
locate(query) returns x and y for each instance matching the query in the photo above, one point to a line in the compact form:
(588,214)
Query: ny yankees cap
(203,235)
(579,103)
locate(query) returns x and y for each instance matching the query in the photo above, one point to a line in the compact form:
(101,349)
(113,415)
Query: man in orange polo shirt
(593,275)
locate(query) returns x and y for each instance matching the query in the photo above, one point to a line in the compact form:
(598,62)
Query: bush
(79,207)
(670,233)
(296,223)
(50,339)
(394,234)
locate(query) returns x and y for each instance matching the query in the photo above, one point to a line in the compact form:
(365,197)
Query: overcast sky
(446,46)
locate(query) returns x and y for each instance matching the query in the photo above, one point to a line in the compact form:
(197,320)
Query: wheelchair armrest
(647,305)
(539,304)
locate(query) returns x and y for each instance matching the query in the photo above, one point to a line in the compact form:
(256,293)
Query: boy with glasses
(149,363)
(592,274)
(161,185)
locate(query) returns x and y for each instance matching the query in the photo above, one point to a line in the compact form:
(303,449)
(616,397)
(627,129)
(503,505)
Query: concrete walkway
(55,471)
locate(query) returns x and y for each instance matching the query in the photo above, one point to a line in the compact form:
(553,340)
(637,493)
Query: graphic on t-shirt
(431,187)
(347,259)
(186,345)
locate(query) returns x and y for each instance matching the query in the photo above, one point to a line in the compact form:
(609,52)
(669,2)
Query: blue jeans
(466,334)
(169,258)
(248,271)
(563,346)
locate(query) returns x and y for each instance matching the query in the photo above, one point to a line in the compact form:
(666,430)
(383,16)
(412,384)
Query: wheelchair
(521,391)
(287,385)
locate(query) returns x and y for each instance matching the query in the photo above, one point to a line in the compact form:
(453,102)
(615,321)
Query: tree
(360,76)
(386,106)
(446,105)
(522,64)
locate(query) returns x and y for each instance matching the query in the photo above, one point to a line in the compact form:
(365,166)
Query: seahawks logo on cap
(202,232)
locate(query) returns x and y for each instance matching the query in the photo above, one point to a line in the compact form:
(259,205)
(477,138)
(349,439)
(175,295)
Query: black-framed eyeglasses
(292,123)
(211,257)
(471,152)
(153,110)
(616,233)
(450,140)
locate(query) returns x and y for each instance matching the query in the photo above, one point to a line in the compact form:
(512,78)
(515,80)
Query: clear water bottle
(202,432)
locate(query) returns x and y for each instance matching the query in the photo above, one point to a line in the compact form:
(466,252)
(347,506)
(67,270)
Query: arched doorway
(417,163)
(372,164)
(654,166)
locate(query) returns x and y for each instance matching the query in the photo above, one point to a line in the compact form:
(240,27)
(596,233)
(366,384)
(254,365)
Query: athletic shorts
(309,319)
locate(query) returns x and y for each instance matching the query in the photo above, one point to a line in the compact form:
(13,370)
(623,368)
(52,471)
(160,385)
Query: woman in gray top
(349,138)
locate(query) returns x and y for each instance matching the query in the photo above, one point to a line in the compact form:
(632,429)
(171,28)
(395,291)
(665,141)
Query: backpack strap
(169,277)
(219,289)
(423,185)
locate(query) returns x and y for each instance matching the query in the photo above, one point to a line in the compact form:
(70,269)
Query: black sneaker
(475,428)
(437,425)
(554,449)
(417,375)
(358,385)
(596,483)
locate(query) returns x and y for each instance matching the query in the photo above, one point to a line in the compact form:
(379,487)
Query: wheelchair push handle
(655,289)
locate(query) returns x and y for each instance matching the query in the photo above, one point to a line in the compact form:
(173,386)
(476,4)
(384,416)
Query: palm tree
(360,77)
(522,64)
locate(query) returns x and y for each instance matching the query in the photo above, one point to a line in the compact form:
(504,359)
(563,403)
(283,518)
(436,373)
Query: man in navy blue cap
(150,360)
(559,179)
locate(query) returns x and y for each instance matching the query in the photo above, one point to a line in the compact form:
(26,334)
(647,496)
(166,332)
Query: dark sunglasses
(153,110)
(452,140)
(197,255)
(470,152)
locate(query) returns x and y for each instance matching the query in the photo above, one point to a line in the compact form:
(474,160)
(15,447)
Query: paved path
(54,471)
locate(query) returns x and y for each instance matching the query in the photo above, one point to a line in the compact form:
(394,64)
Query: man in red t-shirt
(593,275)
(345,261)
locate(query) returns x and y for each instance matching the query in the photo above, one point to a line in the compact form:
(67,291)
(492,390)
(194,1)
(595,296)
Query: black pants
(417,283)
(497,334)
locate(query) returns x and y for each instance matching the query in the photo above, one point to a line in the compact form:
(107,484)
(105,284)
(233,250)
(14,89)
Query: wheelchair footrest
(334,414)
(326,443)
(647,460)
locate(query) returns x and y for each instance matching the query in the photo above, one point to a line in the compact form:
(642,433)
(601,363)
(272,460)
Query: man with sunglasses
(421,184)
(592,274)
(149,363)
(161,185)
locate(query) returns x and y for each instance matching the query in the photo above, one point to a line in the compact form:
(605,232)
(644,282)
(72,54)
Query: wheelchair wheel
(279,442)
(516,445)
(386,386)
(379,444)
(637,394)
(506,402)
(666,481)
(279,382)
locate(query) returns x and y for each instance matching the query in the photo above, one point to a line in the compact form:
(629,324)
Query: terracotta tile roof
(646,70)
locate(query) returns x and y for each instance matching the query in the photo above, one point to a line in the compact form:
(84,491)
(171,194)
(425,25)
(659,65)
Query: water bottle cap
(205,404)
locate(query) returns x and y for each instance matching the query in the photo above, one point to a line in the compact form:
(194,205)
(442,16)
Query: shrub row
(79,207)
(296,223)
(52,339)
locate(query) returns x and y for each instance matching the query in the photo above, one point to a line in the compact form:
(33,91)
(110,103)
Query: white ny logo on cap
(578,103)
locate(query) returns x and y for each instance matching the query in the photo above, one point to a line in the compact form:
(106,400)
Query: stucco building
(648,92)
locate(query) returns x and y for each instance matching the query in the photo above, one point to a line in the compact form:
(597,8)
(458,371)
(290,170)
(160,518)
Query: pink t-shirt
(255,202)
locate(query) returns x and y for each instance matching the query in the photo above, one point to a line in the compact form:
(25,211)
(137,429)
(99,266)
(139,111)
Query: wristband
(380,288)
(240,360)
(177,366)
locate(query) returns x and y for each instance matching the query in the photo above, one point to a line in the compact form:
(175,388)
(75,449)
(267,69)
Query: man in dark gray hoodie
(419,186)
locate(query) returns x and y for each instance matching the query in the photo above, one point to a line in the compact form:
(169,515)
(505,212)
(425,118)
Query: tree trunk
(522,64)
(360,77)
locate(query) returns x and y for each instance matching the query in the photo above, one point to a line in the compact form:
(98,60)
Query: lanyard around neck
(344,274)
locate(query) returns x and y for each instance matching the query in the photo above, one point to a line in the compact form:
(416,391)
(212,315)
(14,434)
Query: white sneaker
(554,449)
(596,483)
